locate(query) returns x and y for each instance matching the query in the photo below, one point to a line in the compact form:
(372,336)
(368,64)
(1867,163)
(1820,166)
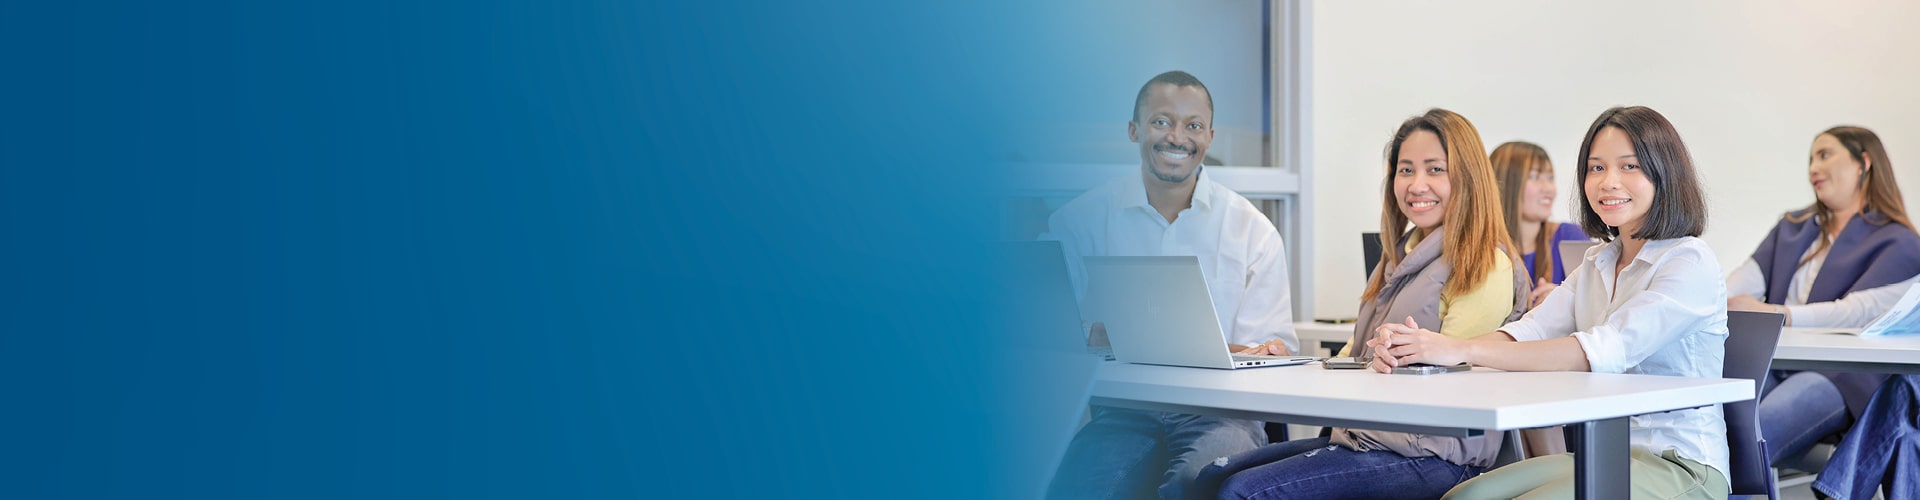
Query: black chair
(1751,339)
(1276,432)
(1370,252)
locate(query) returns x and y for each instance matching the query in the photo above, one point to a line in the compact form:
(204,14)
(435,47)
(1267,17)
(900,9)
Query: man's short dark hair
(1175,78)
(1679,208)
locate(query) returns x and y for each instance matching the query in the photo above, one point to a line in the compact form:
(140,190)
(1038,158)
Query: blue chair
(1749,355)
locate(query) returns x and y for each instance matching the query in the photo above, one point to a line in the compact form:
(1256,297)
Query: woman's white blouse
(1664,314)
(1856,309)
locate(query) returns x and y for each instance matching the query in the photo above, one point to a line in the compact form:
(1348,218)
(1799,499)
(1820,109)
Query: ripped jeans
(1882,452)
(1314,468)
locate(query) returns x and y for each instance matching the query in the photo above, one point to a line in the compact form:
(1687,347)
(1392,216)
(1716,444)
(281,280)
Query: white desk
(1816,349)
(1454,404)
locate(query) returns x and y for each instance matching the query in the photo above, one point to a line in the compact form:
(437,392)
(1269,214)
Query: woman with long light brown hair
(1648,301)
(1527,194)
(1447,264)
(1841,262)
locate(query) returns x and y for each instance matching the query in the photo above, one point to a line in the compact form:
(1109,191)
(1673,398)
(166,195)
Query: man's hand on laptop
(1269,348)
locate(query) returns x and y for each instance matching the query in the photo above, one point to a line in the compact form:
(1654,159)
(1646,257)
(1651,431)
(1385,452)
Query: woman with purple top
(1526,195)
(1841,262)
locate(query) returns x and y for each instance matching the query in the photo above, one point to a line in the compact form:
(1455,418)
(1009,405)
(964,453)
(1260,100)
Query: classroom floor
(1800,492)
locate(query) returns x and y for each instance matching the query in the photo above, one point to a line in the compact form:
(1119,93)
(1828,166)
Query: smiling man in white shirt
(1171,208)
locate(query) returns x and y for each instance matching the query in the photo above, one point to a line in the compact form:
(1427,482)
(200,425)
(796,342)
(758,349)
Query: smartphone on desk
(1426,369)
(1346,363)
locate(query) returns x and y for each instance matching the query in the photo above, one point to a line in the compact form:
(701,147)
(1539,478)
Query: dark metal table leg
(1600,458)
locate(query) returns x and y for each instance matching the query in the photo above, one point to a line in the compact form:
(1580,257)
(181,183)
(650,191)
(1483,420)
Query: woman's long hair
(1881,193)
(1475,228)
(1512,163)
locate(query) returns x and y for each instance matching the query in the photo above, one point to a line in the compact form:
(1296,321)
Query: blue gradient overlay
(512,249)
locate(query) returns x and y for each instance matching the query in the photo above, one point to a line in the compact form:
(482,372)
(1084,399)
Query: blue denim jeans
(1315,468)
(1797,411)
(1882,449)
(1135,454)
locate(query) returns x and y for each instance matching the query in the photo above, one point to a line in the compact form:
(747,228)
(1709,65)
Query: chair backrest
(1370,251)
(1511,450)
(1749,354)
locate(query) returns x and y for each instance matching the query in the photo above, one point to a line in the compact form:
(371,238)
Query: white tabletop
(1817,348)
(1800,348)
(1478,399)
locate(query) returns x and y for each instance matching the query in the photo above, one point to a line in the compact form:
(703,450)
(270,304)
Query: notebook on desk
(1902,319)
(1158,311)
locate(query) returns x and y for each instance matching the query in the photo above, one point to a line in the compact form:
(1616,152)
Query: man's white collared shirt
(1240,252)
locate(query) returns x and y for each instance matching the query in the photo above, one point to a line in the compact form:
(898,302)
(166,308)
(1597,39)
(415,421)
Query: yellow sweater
(1479,311)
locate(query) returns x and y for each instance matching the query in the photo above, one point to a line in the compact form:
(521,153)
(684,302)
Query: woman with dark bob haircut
(1650,301)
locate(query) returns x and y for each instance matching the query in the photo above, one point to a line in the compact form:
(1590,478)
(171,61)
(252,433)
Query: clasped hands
(1401,344)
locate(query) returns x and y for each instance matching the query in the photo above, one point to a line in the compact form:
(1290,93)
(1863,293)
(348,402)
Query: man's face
(1173,127)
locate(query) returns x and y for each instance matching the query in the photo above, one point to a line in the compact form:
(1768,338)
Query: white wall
(1748,84)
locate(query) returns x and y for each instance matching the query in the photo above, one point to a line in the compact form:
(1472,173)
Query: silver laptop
(1573,253)
(1158,311)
